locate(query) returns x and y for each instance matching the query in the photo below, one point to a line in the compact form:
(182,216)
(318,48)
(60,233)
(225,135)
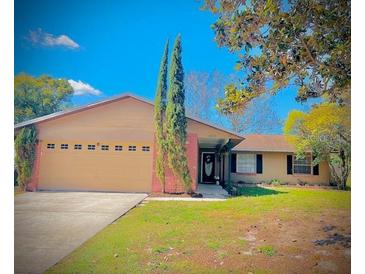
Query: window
(303,165)
(64,146)
(132,148)
(118,148)
(145,148)
(77,146)
(50,146)
(91,147)
(246,163)
(104,147)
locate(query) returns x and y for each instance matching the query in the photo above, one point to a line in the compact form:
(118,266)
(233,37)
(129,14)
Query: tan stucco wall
(124,122)
(275,167)
(205,131)
(128,120)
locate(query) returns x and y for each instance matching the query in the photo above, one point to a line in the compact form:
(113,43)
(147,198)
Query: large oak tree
(306,43)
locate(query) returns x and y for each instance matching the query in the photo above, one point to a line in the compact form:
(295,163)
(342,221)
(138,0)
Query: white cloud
(81,88)
(39,37)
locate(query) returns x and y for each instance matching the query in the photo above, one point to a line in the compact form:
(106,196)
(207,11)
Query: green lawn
(262,232)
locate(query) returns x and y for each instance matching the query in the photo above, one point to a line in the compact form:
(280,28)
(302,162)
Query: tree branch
(308,51)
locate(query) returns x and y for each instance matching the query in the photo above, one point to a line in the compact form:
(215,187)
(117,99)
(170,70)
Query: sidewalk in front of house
(210,192)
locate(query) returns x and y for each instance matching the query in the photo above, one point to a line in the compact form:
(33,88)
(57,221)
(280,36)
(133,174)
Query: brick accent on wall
(33,182)
(173,184)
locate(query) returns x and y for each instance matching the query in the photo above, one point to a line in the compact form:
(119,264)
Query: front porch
(209,162)
(212,191)
(214,162)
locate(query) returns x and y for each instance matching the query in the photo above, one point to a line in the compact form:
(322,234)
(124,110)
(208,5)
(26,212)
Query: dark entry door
(208,167)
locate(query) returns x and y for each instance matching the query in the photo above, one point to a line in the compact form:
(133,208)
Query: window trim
(146,148)
(309,155)
(253,167)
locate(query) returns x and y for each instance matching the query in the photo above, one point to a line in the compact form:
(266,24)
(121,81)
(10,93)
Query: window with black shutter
(303,164)
(289,164)
(259,163)
(233,162)
(315,168)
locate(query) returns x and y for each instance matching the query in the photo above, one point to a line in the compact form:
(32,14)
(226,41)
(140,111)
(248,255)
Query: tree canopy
(306,43)
(38,96)
(326,130)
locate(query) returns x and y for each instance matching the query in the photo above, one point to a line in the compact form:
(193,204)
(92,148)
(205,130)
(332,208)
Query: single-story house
(110,146)
(263,158)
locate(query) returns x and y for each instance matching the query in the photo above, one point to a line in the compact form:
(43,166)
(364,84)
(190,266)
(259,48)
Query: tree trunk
(344,169)
(341,172)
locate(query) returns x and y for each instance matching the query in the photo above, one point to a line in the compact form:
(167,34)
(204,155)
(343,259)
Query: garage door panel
(125,171)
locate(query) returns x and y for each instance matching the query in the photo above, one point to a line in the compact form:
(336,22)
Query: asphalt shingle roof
(264,142)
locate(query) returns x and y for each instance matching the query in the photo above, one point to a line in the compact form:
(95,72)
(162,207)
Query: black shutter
(233,162)
(315,168)
(289,164)
(259,163)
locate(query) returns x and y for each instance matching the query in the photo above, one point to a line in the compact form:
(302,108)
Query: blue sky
(116,46)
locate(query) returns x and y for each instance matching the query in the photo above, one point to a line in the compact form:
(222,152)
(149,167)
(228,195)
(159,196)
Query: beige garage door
(123,167)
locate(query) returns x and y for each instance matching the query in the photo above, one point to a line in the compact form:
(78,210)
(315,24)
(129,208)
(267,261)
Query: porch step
(212,191)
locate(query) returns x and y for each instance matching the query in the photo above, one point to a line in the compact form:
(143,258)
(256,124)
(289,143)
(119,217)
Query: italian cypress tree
(159,114)
(176,120)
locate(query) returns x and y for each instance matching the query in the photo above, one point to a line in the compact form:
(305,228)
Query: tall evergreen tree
(159,114)
(176,120)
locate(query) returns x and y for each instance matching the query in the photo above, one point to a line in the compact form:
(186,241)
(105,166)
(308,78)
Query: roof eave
(265,150)
(262,150)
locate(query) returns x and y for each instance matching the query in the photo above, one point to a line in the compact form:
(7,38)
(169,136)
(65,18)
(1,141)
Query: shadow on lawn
(256,191)
(333,238)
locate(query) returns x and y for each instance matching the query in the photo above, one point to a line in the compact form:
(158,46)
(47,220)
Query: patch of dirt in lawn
(304,244)
(298,243)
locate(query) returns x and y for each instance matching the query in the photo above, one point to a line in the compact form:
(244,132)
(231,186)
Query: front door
(208,167)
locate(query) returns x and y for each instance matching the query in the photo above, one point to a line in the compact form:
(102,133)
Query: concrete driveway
(50,225)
